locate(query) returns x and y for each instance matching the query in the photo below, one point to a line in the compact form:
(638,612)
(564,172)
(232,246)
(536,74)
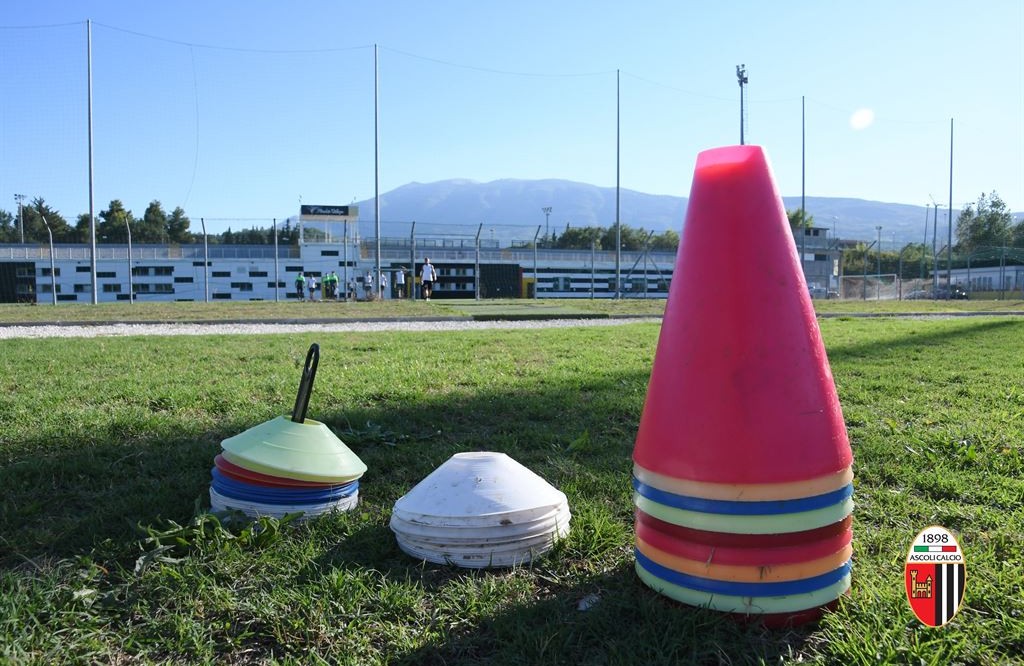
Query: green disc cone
(307,451)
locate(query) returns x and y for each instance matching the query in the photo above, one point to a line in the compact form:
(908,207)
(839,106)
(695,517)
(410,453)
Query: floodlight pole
(53,271)
(803,190)
(20,198)
(949,241)
(92,210)
(878,254)
(547,216)
(741,76)
(535,283)
(618,179)
(131,278)
(376,168)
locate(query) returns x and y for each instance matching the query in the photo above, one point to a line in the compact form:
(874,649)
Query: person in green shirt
(300,286)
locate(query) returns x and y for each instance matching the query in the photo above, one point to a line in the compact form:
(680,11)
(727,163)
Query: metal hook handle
(306,384)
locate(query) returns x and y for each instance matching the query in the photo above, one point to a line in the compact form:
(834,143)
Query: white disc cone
(479,490)
(490,556)
(503,532)
(497,541)
(480,510)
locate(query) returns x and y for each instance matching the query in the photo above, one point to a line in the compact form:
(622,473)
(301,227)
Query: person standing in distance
(400,283)
(300,286)
(427,276)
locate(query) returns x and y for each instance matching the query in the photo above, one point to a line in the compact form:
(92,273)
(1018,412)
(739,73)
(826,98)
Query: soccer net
(870,287)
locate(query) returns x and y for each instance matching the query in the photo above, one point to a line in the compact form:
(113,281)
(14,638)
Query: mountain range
(520,203)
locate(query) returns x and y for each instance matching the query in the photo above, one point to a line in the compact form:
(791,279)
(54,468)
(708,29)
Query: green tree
(82,228)
(287,234)
(799,218)
(632,239)
(8,228)
(666,240)
(178,227)
(35,231)
(111,227)
(579,238)
(1017,234)
(986,224)
(153,226)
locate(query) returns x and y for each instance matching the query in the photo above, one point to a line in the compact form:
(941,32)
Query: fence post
(206,261)
(412,262)
(476,267)
(536,284)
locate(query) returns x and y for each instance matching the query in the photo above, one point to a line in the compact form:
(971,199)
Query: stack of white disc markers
(281,467)
(480,510)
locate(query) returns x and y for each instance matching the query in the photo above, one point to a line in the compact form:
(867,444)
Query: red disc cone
(741,390)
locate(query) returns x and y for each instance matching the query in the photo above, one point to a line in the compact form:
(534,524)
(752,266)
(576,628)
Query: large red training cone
(741,391)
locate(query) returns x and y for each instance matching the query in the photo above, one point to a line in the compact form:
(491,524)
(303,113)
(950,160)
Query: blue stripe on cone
(240,490)
(780,589)
(754,508)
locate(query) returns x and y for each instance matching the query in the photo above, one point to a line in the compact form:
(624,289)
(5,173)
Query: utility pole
(20,198)
(935,255)
(878,255)
(741,76)
(949,238)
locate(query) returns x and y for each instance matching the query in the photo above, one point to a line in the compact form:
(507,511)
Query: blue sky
(234,110)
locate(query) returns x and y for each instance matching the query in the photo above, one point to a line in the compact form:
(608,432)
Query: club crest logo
(935,575)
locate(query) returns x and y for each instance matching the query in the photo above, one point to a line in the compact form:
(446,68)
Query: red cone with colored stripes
(742,467)
(741,391)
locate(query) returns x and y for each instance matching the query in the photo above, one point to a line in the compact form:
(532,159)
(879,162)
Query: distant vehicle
(941,293)
(955,292)
(822,292)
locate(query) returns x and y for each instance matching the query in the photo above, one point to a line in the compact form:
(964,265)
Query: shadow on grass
(935,338)
(607,618)
(70,498)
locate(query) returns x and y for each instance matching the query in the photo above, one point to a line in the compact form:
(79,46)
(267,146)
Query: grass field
(107,557)
(71,313)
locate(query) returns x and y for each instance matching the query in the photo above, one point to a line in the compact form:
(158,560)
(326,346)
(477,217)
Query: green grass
(106,445)
(71,313)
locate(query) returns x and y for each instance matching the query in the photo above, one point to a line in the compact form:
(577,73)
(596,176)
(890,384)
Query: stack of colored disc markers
(742,466)
(287,465)
(480,510)
(282,467)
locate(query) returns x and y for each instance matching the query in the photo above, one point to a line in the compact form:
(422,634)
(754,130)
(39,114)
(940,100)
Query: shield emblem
(935,575)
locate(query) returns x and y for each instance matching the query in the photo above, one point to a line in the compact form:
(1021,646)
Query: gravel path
(75,331)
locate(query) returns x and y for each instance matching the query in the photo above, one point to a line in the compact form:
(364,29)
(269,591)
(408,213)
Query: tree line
(603,238)
(986,234)
(985,224)
(156,226)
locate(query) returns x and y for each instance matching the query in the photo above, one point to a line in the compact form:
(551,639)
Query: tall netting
(43,74)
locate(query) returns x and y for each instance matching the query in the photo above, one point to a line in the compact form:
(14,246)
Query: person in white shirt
(400,283)
(427,276)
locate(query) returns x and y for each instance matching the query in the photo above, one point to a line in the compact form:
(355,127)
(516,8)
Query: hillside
(519,203)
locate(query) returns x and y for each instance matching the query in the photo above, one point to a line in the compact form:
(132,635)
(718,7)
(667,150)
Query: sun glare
(862,119)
